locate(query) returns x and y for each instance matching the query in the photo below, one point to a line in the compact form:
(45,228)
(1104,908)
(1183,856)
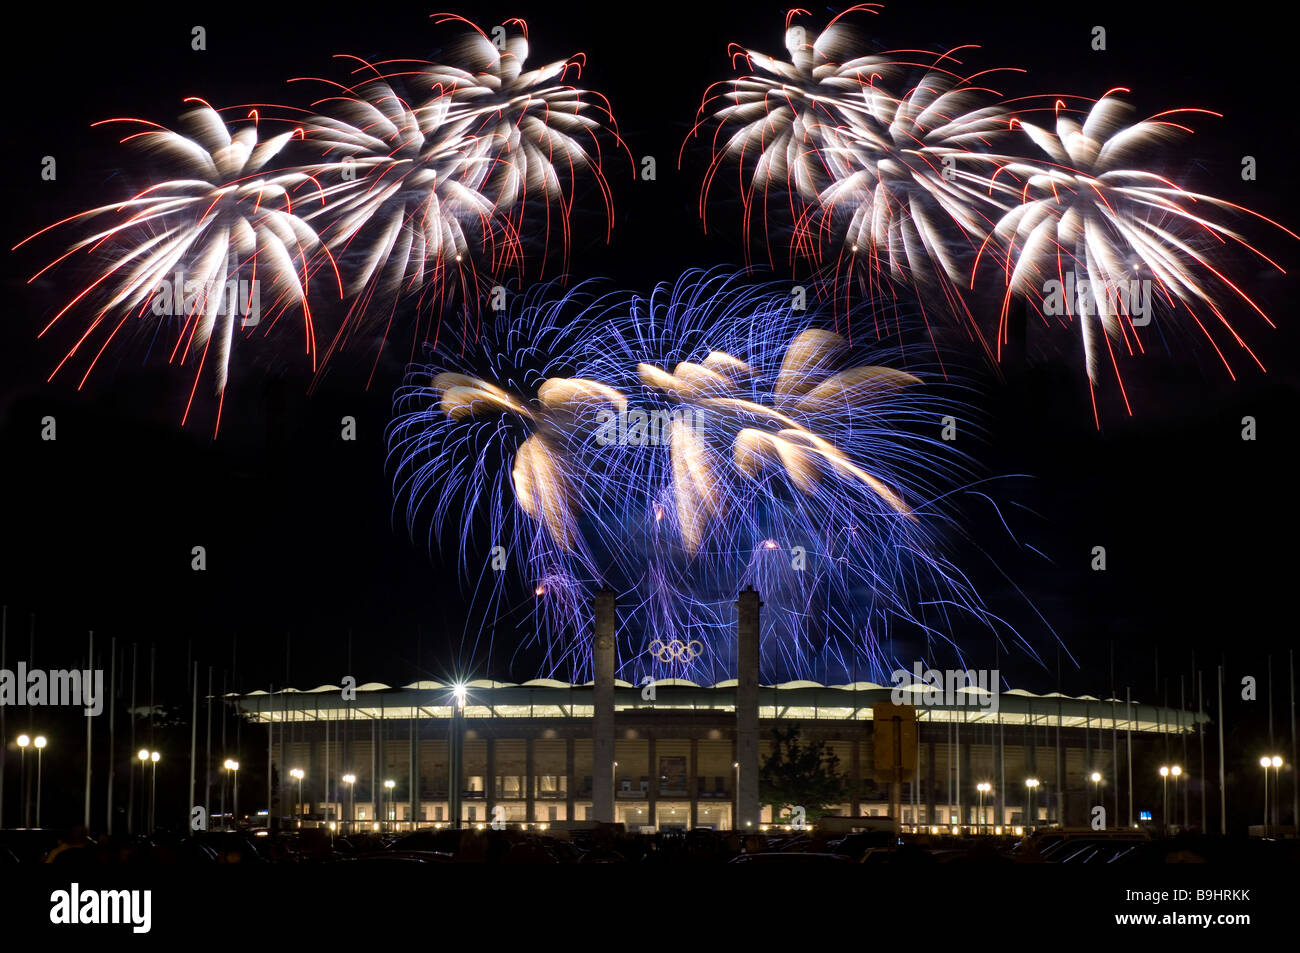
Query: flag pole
(90,728)
(1223,790)
(112,736)
(194,739)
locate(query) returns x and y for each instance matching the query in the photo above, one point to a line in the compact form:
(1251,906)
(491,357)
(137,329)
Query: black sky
(96,528)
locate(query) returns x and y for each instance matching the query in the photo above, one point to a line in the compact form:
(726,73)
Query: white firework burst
(540,130)
(428,190)
(901,174)
(1099,239)
(785,115)
(888,166)
(191,247)
(424,193)
(404,189)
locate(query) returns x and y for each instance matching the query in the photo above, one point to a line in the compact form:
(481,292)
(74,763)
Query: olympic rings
(675,650)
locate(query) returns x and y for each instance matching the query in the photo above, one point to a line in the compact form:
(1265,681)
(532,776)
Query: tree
(801,775)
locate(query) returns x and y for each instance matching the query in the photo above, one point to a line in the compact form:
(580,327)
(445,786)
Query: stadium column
(964,761)
(930,782)
(413,773)
(455,779)
(652,792)
(855,773)
(747,641)
(569,784)
(490,782)
(602,740)
(692,778)
(530,779)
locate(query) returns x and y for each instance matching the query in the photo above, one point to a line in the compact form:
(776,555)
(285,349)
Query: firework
(899,166)
(1098,240)
(760,435)
(430,190)
(878,175)
(504,404)
(402,189)
(677,448)
(196,248)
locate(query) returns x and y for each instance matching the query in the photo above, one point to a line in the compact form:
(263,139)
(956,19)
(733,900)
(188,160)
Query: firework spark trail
(504,406)
(425,197)
(777,440)
(403,183)
(1088,216)
(451,172)
(679,447)
(227,221)
(876,175)
(900,169)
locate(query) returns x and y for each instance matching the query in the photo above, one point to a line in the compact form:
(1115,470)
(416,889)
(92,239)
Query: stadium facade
(677,755)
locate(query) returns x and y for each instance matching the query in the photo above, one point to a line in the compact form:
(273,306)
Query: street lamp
(1165,772)
(1177,772)
(24,741)
(39,742)
(351,780)
(1095,778)
(143,757)
(984,788)
(1267,762)
(232,766)
(1277,783)
(298,774)
(1031,784)
(154,757)
(389,784)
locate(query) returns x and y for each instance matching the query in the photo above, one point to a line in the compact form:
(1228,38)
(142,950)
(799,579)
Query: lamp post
(232,768)
(1177,772)
(1095,778)
(1274,762)
(39,742)
(1165,772)
(389,784)
(154,758)
(1031,789)
(984,788)
(1277,784)
(143,757)
(1266,763)
(24,741)
(298,774)
(351,781)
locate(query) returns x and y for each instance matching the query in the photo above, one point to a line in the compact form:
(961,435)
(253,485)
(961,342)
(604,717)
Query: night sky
(96,528)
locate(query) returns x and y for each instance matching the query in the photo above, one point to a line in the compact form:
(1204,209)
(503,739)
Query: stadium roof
(545,698)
